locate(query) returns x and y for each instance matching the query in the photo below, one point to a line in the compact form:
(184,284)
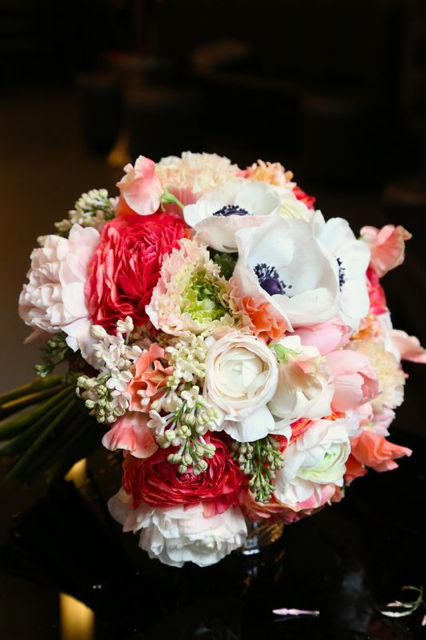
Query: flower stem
(11,407)
(31,423)
(66,408)
(36,385)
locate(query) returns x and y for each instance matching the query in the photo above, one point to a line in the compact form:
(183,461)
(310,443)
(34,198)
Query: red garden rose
(158,483)
(126,266)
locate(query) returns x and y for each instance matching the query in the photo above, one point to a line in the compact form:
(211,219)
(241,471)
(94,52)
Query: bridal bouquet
(232,342)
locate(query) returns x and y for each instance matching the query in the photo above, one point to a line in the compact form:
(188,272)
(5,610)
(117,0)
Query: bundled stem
(19,467)
(39,384)
(26,422)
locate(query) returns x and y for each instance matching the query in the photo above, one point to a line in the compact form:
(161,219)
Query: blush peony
(126,266)
(159,484)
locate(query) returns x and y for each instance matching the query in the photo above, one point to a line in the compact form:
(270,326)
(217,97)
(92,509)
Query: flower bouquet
(234,344)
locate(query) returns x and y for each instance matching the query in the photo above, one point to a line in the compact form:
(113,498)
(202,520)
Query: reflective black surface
(347,561)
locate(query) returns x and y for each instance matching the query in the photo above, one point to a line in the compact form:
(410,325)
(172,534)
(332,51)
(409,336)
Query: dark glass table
(347,562)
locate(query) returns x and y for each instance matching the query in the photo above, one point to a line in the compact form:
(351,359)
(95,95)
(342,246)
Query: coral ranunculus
(159,483)
(126,266)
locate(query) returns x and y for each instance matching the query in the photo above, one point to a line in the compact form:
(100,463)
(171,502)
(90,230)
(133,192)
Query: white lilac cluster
(92,209)
(188,417)
(106,394)
(266,373)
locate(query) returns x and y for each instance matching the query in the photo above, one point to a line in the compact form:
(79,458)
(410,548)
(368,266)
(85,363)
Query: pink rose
(140,188)
(387,246)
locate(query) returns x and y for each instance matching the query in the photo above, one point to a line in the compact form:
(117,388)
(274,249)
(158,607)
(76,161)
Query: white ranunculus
(282,263)
(315,459)
(352,259)
(220,212)
(177,535)
(304,389)
(53,300)
(241,378)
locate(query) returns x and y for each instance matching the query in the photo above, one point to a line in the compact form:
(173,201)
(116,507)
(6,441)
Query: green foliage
(226,262)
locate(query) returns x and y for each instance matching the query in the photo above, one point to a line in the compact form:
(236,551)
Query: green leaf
(226,262)
(281,352)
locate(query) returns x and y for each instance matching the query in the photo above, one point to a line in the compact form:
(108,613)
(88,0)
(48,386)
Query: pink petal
(131,433)
(140,187)
(408,346)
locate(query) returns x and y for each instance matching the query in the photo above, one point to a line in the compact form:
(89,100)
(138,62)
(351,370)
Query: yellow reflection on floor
(77,620)
(78,473)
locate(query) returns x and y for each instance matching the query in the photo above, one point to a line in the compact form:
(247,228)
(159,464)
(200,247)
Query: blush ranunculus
(159,484)
(126,266)
(241,377)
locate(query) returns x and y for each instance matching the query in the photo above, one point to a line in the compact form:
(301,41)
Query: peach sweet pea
(387,246)
(373,450)
(131,433)
(140,188)
(408,347)
(149,379)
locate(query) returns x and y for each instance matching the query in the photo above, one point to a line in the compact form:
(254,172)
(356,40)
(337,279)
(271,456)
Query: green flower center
(204,298)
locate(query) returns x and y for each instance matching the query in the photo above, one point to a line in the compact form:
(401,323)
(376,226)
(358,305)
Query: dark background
(335,90)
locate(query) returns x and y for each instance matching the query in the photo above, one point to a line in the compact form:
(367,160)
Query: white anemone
(221,212)
(282,263)
(352,259)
